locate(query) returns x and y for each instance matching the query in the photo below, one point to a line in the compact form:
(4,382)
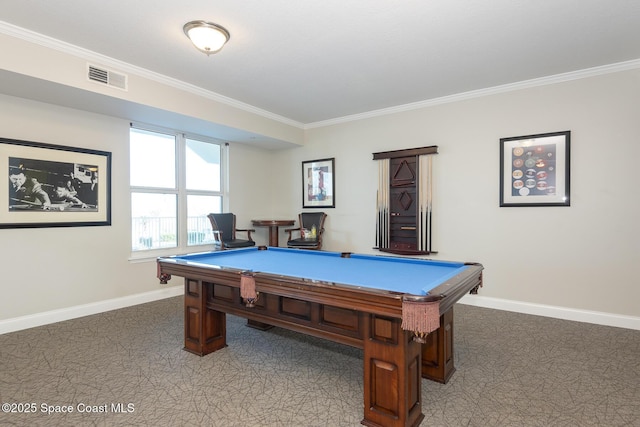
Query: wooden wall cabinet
(405,201)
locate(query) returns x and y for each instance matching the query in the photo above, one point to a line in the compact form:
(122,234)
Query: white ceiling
(314,61)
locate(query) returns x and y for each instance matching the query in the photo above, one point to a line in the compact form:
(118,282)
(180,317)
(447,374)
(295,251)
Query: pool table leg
(437,351)
(205,330)
(392,369)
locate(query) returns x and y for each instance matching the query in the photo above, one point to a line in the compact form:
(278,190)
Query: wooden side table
(273,225)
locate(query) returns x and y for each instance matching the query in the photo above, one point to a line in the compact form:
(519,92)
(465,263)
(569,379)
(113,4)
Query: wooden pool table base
(391,356)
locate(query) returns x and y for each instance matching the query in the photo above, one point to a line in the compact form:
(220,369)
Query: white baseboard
(53,316)
(48,317)
(595,317)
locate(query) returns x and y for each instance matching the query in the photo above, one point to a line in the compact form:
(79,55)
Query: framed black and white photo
(54,185)
(318,183)
(534,170)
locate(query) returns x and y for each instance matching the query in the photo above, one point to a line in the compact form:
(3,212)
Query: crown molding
(542,81)
(90,56)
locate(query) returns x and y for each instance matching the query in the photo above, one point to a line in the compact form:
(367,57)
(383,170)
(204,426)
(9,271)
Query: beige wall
(581,257)
(58,273)
(49,269)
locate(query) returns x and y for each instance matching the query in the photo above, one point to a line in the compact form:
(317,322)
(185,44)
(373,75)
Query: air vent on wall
(107,77)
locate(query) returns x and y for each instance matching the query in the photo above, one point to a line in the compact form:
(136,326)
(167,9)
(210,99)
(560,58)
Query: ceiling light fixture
(207,37)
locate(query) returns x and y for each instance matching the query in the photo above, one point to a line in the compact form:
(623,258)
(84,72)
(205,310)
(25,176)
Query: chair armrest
(248,231)
(291,230)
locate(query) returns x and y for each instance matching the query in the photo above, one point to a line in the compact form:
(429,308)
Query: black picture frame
(54,185)
(318,183)
(535,170)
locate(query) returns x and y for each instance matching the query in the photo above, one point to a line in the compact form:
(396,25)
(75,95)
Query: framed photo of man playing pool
(53,185)
(534,170)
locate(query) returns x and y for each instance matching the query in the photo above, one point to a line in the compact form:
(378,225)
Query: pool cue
(51,207)
(427,192)
(418,214)
(426,226)
(421,200)
(419,190)
(386,201)
(425,233)
(429,202)
(421,231)
(383,196)
(377,220)
(378,224)
(25,201)
(380,203)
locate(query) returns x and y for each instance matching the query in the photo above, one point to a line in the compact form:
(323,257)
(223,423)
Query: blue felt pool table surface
(396,274)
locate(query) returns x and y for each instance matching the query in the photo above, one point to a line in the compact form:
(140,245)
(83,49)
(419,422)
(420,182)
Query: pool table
(366,301)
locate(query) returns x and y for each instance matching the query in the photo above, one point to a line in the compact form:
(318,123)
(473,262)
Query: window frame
(179,190)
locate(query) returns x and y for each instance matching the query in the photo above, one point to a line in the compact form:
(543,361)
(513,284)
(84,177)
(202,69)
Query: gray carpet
(128,367)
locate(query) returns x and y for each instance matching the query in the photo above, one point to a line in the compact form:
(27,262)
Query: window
(175,182)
